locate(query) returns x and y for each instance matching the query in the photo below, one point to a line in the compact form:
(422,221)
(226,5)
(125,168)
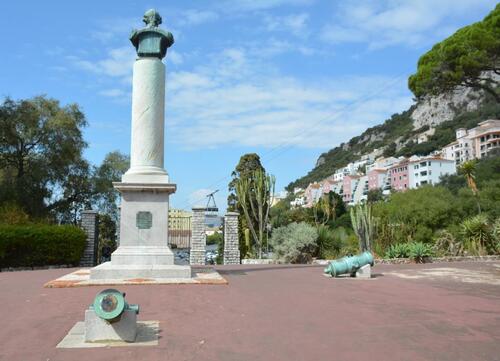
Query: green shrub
(351,246)
(478,235)
(215,238)
(330,241)
(294,243)
(398,250)
(11,213)
(418,251)
(40,245)
(447,245)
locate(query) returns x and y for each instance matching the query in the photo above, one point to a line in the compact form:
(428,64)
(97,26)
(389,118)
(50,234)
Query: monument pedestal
(143,250)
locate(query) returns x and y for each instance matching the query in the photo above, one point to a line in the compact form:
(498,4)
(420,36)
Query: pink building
(349,183)
(312,194)
(399,176)
(376,178)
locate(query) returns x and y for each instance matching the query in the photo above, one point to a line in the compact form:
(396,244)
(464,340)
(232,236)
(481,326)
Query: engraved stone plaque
(144,220)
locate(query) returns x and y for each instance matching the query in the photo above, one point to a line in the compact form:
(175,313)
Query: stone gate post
(198,237)
(90,224)
(231,243)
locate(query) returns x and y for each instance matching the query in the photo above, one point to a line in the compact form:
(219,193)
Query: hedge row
(40,245)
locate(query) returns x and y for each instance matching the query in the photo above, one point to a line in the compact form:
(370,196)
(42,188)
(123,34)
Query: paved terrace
(408,312)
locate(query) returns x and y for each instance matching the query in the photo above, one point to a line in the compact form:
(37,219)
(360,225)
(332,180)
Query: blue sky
(287,79)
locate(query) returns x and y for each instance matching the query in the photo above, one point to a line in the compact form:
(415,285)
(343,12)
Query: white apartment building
(428,170)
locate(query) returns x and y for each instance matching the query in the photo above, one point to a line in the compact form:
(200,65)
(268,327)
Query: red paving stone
(269,313)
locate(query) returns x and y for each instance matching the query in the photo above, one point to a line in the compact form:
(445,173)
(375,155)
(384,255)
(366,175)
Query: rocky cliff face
(438,109)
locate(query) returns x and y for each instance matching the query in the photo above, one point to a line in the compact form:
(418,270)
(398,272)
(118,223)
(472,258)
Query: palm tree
(468,169)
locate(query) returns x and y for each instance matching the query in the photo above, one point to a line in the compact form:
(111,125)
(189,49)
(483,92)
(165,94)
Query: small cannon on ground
(110,305)
(349,265)
(111,318)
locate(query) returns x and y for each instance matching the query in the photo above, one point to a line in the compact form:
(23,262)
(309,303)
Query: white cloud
(295,23)
(113,93)
(175,57)
(398,22)
(220,107)
(253,5)
(117,63)
(196,17)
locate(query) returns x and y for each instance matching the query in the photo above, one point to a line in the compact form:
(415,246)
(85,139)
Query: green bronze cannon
(110,305)
(349,265)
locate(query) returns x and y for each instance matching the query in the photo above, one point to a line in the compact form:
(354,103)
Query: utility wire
(304,132)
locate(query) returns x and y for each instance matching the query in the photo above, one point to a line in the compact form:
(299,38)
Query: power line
(305,131)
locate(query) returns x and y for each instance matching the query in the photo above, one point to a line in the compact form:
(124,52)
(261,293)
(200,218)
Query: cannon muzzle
(110,304)
(349,264)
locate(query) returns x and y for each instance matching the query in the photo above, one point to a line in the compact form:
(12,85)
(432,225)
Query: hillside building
(398,175)
(475,143)
(428,170)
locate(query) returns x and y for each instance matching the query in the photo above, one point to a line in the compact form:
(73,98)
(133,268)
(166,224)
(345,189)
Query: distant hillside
(457,85)
(397,135)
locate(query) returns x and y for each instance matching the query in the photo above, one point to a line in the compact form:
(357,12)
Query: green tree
(41,163)
(390,150)
(105,197)
(374,195)
(462,59)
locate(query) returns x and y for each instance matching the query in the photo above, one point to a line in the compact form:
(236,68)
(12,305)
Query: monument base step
(110,271)
(141,255)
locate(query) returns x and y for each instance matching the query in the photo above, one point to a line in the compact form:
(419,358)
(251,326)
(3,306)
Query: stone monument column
(148,114)
(145,187)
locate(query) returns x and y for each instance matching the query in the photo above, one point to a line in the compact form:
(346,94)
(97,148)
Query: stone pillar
(231,242)
(90,224)
(198,237)
(148,119)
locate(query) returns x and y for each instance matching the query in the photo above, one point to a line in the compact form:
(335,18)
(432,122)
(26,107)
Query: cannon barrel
(110,304)
(349,264)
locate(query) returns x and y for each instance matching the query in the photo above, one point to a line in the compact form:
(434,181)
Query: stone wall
(90,224)
(231,242)
(198,237)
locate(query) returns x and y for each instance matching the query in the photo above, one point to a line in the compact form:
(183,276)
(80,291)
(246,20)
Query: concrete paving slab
(147,335)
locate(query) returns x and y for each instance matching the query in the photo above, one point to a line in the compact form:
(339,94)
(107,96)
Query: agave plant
(419,251)
(398,250)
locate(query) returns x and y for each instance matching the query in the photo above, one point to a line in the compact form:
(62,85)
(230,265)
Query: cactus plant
(364,225)
(256,198)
